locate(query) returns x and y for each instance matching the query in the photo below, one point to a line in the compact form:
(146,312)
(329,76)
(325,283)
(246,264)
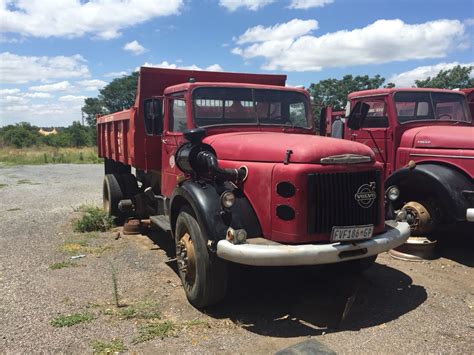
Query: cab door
(172,138)
(375,128)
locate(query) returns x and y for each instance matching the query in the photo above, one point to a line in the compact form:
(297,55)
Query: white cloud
(16,69)
(37,95)
(380,42)
(92,85)
(60,86)
(307,4)
(72,98)
(9,91)
(74,18)
(279,32)
(253,5)
(134,47)
(115,74)
(407,79)
(165,64)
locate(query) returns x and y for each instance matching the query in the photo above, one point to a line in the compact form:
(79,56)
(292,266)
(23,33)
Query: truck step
(161,222)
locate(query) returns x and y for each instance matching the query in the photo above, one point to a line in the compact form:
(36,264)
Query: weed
(3,185)
(62,265)
(141,310)
(24,182)
(14,209)
(197,323)
(103,347)
(71,319)
(153,330)
(93,219)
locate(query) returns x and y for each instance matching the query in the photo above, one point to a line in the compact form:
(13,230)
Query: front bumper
(276,254)
(470,214)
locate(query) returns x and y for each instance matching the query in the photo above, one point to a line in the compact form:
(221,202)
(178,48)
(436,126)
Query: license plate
(343,234)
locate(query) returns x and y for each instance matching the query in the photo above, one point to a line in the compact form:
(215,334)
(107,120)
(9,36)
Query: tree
(118,95)
(79,135)
(20,135)
(334,92)
(457,77)
(93,106)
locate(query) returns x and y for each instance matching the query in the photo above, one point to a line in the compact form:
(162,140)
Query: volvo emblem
(365,195)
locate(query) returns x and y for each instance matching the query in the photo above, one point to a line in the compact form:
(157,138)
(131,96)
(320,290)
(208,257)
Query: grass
(141,310)
(71,319)
(93,219)
(82,245)
(48,155)
(27,182)
(62,265)
(154,330)
(103,347)
(14,209)
(3,185)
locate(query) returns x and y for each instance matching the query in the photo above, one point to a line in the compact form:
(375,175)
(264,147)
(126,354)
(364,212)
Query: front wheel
(203,275)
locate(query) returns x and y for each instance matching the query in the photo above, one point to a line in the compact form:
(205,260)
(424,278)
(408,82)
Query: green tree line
(23,135)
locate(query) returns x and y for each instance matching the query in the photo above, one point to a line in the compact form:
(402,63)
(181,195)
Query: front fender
(204,199)
(439,182)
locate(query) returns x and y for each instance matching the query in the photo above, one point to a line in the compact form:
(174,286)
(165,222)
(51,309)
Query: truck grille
(342,199)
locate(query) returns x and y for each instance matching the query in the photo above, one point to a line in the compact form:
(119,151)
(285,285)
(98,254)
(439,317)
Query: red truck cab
(425,139)
(230,164)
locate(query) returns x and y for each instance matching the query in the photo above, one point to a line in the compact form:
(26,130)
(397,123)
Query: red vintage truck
(231,165)
(425,140)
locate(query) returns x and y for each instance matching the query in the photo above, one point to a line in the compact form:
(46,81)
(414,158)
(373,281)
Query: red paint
(121,137)
(423,142)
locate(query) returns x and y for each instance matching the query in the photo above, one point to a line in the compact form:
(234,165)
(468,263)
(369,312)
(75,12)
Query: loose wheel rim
(186,260)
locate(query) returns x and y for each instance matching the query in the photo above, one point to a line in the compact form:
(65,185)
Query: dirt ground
(398,307)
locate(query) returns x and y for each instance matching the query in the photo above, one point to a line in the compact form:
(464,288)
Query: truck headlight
(393,193)
(227,199)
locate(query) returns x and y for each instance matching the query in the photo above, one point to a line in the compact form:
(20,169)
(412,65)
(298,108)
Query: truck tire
(111,196)
(129,185)
(203,274)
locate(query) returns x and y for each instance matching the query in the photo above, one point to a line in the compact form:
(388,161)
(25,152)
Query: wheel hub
(419,218)
(186,259)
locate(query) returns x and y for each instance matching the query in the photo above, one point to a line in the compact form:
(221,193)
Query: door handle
(164,141)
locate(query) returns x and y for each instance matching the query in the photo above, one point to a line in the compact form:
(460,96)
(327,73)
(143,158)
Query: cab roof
(191,86)
(386,91)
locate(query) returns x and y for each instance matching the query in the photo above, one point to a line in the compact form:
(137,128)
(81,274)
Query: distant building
(47,133)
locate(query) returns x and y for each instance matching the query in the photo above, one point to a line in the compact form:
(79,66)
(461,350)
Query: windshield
(231,106)
(441,106)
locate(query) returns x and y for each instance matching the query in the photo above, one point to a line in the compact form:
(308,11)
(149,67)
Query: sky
(53,54)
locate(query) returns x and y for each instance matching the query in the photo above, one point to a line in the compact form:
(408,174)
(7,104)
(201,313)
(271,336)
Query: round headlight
(227,199)
(393,193)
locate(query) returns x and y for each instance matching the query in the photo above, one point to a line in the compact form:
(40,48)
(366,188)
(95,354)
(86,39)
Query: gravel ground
(398,307)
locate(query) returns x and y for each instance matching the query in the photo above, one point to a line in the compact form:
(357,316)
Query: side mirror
(358,115)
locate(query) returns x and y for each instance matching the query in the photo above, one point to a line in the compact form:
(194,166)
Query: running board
(161,222)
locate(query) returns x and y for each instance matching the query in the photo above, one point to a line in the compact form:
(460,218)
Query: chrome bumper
(470,214)
(275,254)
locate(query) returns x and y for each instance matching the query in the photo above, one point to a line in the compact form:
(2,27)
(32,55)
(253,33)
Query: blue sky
(53,54)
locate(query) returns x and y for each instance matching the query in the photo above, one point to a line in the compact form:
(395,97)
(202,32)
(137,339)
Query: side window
(153,115)
(377,115)
(177,115)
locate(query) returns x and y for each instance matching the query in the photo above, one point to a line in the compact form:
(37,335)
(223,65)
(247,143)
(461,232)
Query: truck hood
(448,137)
(272,147)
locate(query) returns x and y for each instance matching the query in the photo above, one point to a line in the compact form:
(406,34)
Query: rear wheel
(203,274)
(111,196)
